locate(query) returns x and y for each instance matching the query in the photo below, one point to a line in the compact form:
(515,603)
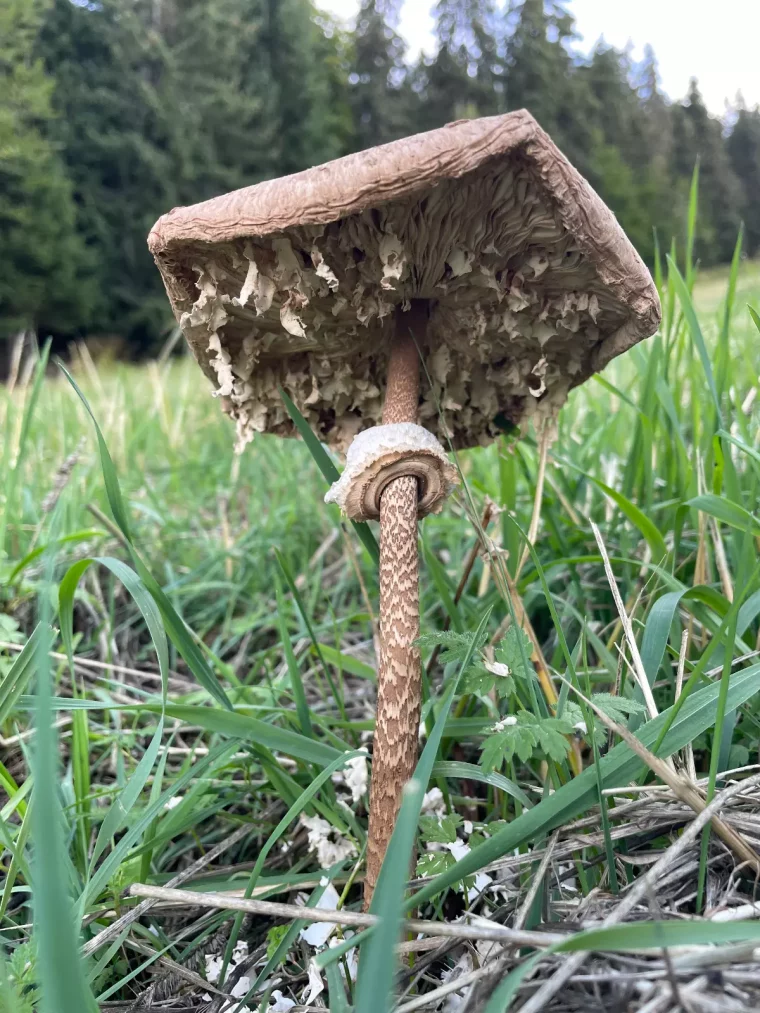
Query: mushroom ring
(379,455)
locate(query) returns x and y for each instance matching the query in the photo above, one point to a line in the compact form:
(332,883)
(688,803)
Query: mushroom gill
(516,310)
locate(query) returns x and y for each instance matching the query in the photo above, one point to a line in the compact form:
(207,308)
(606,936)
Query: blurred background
(114,111)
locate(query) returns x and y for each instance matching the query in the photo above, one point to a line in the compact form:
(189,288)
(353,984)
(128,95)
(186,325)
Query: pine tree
(304,118)
(379,87)
(697,136)
(215,88)
(744,152)
(170,103)
(43,282)
(466,76)
(120,145)
(113,112)
(623,166)
(617,110)
(658,130)
(541,76)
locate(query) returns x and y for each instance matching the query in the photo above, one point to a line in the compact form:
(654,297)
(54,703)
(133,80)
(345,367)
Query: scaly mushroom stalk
(394,753)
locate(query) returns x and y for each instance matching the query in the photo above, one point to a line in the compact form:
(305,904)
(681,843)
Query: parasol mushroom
(476,247)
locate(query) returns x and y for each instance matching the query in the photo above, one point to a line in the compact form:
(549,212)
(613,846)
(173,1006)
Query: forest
(114,111)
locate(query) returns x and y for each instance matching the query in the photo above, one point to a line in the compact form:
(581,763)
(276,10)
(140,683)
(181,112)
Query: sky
(716,42)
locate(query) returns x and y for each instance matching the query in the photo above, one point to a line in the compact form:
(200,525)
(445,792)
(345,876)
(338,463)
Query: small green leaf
(431,863)
(480,682)
(552,739)
(521,734)
(329,471)
(513,739)
(440,830)
(512,651)
(454,646)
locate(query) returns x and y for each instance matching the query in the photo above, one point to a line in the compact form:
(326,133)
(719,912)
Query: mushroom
(477,248)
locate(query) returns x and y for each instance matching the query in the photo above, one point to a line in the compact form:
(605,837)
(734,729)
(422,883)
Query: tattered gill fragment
(531,283)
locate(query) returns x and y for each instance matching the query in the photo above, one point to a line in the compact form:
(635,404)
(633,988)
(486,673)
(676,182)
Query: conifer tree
(163,104)
(379,82)
(466,76)
(744,153)
(542,78)
(697,136)
(303,118)
(43,281)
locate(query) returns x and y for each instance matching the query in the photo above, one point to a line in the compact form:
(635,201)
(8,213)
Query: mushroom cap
(532,285)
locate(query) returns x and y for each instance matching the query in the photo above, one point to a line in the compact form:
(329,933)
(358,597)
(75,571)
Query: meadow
(205,731)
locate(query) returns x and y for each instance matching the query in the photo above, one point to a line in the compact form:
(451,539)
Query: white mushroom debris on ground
(330,846)
(432,802)
(456,1000)
(317,933)
(508,722)
(214,964)
(355,776)
(315,987)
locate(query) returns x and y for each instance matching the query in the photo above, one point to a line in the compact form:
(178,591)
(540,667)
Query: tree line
(114,111)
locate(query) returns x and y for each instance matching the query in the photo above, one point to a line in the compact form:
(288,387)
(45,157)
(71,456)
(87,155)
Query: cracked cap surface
(531,283)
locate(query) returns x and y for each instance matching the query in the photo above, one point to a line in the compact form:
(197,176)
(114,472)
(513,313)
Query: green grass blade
(180,637)
(346,662)
(11,479)
(715,751)
(441,582)
(62,979)
(113,490)
(120,808)
(286,943)
(657,630)
(296,684)
(629,937)
(330,472)
(687,306)
(122,805)
(472,772)
(335,990)
(647,528)
(307,622)
(175,628)
(303,800)
(744,447)
(723,357)
(18,861)
(16,679)
(247,729)
(102,876)
(724,510)
(691,224)
(72,539)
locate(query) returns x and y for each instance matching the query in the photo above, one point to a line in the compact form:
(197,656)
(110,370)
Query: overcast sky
(716,41)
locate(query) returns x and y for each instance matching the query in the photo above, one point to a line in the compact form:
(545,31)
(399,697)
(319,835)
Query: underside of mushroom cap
(531,283)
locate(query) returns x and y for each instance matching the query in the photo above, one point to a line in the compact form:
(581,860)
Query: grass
(222,661)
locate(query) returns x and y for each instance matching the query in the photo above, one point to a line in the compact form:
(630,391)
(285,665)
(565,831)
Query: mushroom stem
(394,753)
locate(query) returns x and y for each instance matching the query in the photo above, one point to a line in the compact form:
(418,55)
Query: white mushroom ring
(381,454)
